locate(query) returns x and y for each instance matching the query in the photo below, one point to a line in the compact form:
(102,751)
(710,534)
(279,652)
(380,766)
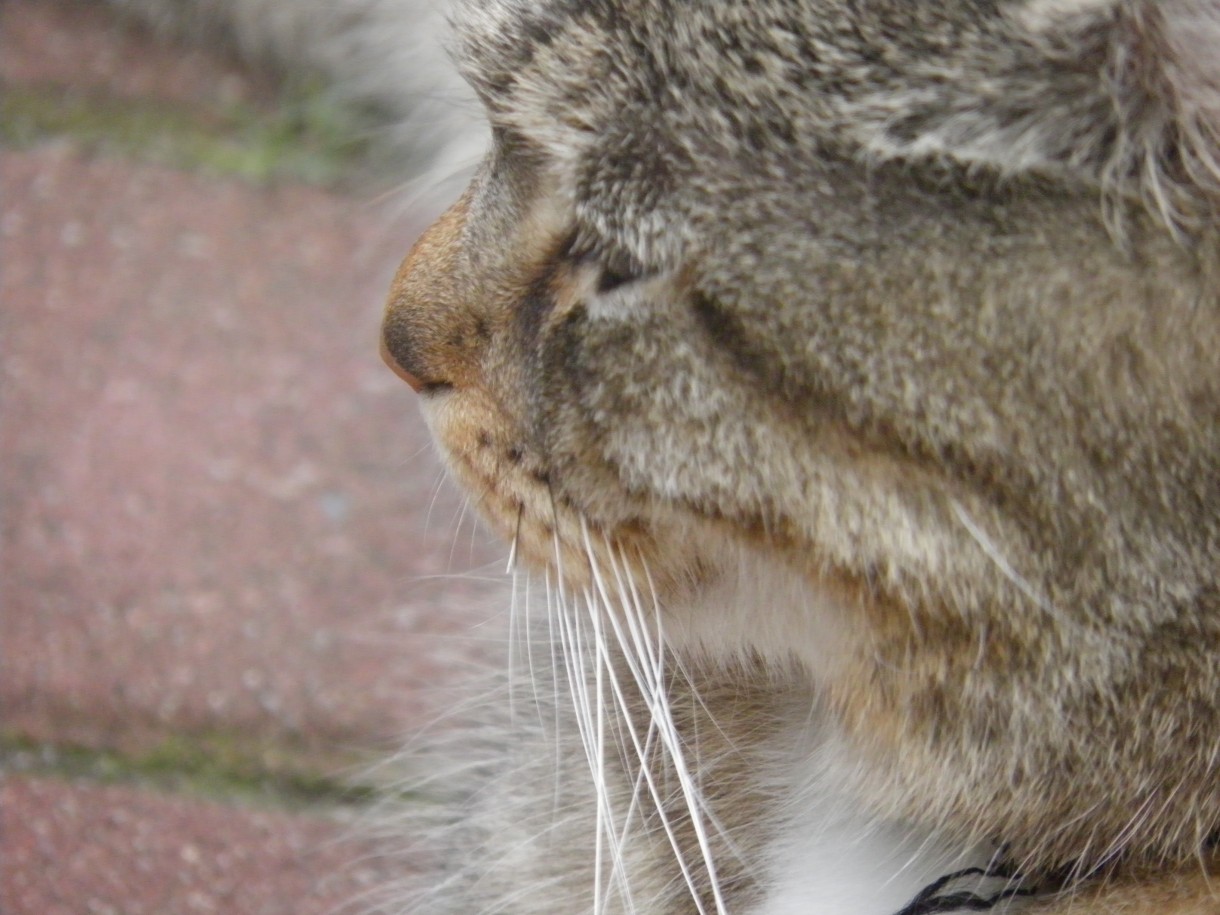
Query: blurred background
(231,572)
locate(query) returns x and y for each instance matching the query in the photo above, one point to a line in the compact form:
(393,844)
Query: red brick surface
(221,519)
(217,497)
(74,849)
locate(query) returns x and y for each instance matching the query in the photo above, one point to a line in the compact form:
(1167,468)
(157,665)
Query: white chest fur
(828,856)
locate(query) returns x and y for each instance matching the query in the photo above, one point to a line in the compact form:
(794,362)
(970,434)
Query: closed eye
(615,269)
(613,277)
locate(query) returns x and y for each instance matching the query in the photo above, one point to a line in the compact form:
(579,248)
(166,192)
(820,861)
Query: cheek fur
(664,557)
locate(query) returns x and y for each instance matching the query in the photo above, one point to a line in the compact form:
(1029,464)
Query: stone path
(230,571)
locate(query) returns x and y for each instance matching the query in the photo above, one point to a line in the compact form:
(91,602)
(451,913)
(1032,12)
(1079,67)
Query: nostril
(397,369)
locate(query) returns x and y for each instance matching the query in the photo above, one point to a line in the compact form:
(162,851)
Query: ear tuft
(1124,94)
(1165,82)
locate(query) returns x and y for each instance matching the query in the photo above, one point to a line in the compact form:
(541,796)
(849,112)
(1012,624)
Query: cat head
(629,103)
(903,221)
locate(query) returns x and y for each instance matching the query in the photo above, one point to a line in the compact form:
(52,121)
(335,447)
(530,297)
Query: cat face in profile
(870,350)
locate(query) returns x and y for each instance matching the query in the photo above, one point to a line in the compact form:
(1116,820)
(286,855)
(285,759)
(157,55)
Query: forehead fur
(1120,94)
(531,63)
(811,60)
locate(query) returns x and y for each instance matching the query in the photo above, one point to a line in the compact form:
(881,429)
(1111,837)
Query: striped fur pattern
(844,376)
(848,373)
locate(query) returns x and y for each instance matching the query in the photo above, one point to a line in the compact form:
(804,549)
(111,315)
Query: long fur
(384,60)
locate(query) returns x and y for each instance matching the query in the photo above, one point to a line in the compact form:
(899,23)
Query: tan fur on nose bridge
(422,298)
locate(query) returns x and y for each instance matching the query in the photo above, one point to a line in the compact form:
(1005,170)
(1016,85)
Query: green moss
(215,766)
(307,138)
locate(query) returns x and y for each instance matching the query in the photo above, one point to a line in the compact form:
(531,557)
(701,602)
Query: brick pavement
(226,547)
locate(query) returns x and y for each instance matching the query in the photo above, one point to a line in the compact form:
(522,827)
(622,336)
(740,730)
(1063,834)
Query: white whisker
(993,553)
(654,690)
(643,753)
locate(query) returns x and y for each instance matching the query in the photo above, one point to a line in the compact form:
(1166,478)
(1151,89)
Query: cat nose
(396,367)
(426,309)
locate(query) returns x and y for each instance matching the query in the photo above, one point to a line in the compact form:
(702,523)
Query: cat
(845,376)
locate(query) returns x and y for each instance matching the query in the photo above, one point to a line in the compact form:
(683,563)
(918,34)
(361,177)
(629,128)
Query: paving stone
(79,849)
(221,509)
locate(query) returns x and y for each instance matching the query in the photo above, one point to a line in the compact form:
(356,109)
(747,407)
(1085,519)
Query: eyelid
(615,275)
(616,269)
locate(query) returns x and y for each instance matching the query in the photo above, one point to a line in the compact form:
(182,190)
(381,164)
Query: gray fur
(868,353)
(920,301)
